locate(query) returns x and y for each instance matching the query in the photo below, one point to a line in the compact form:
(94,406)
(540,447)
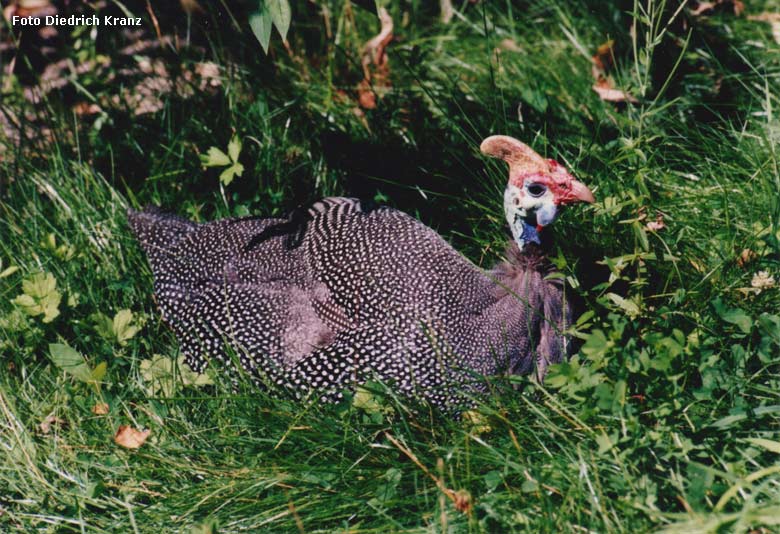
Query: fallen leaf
(737,6)
(191,6)
(604,86)
(100,408)
(376,70)
(509,45)
(657,224)
(209,74)
(463,501)
(366,96)
(86,108)
(29,8)
(607,92)
(774,21)
(603,59)
(130,438)
(745,257)
(702,7)
(697,265)
(50,421)
(447,11)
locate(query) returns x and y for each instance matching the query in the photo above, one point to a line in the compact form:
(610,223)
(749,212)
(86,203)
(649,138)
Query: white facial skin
(532,205)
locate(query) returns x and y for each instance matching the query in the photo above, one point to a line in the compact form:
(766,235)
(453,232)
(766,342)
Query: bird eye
(536,190)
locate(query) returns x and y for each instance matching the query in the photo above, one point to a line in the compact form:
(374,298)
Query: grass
(666,418)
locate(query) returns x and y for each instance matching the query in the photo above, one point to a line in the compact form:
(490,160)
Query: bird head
(536,187)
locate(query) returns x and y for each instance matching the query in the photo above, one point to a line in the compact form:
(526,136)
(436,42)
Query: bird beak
(578,192)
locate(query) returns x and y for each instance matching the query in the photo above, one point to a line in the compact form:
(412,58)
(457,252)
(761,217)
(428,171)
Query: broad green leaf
(157,373)
(190,377)
(98,372)
(281,15)
(103,325)
(162,375)
(214,158)
(40,297)
(365,400)
(735,316)
(261,23)
(234,149)
(231,172)
(122,328)
(476,422)
(739,318)
(770,325)
(627,305)
(605,442)
(596,345)
(70,361)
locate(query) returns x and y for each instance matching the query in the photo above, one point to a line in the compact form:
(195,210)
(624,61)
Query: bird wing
(383,265)
(213,290)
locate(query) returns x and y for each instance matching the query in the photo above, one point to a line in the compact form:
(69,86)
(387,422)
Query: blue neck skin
(529,234)
(524,227)
(525,232)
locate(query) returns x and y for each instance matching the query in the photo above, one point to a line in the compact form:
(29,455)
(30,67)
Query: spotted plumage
(341,294)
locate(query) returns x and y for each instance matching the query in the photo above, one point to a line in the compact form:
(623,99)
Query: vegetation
(666,418)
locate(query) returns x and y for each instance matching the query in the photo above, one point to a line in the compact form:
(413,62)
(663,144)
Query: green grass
(666,419)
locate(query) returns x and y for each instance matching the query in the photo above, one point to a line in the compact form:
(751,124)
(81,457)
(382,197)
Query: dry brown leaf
(702,7)
(603,59)
(697,265)
(737,6)
(366,96)
(100,408)
(657,224)
(191,6)
(130,438)
(50,421)
(29,8)
(446,10)
(745,257)
(209,74)
(607,92)
(509,45)
(774,21)
(601,62)
(463,501)
(86,108)
(376,70)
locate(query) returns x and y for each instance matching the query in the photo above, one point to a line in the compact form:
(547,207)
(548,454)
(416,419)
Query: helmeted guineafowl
(339,294)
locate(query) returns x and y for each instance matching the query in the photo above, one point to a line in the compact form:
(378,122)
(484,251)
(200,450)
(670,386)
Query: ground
(666,417)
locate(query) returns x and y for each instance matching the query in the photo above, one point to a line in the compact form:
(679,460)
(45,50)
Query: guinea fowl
(340,294)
